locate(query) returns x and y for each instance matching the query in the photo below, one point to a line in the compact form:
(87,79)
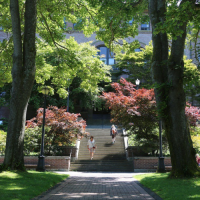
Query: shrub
(62,129)
(3,135)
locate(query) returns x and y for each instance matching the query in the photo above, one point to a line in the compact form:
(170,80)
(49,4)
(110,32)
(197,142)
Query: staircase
(107,156)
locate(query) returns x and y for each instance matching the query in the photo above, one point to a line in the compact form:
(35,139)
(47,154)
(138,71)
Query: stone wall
(143,162)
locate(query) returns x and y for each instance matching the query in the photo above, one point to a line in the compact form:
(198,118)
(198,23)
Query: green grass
(26,185)
(173,189)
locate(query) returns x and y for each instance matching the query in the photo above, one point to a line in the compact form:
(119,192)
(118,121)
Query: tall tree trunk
(170,96)
(181,148)
(23,75)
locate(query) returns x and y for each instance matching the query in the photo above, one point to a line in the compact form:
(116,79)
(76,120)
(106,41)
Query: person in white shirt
(113,133)
(91,145)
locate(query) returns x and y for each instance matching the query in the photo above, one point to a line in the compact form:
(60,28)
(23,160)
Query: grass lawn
(173,189)
(26,185)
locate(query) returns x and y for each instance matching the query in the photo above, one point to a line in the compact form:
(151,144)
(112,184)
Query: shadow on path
(98,186)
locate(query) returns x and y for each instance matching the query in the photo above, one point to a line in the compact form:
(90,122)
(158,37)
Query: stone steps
(103,165)
(103,157)
(107,156)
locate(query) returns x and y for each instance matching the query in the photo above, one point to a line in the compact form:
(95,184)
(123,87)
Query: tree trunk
(23,75)
(178,134)
(170,96)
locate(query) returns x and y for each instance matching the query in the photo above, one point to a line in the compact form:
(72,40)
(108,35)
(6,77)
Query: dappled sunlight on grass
(26,185)
(167,188)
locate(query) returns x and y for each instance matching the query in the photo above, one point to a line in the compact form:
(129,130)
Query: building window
(145,26)
(137,50)
(106,56)
(74,26)
(131,22)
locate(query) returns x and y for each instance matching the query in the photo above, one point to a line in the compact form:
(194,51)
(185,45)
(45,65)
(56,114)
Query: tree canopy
(58,59)
(170,20)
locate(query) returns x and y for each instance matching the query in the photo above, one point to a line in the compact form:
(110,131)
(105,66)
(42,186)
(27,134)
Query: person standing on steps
(91,145)
(113,133)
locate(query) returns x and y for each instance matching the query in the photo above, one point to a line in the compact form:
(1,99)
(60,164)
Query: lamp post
(68,97)
(161,165)
(68,101)
(137,82)
(41,162)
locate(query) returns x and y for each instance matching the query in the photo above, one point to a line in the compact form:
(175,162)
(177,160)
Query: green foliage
(191,74)
(196,142)
(27,185)
(6,49)
(135,64)
(138,65)
(195,135)
(177,16)
(60,65)
(32,140)
(58,61)
(112,17)
(2,142)
(149,143)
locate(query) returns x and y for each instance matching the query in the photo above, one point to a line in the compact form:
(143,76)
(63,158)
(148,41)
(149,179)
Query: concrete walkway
(91,186)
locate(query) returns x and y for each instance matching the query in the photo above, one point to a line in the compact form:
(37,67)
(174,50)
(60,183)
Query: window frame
(145,28)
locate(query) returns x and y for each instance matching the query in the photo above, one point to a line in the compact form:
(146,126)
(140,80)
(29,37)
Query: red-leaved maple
(130,106)
(64,127)
(193,114)
(135,110)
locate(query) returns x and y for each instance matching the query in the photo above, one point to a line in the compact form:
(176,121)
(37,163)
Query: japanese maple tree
(64,127)
(135,110)
(130,106)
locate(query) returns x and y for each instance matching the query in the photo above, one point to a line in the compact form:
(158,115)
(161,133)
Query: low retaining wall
(148,163)
(55,162)
(63,162)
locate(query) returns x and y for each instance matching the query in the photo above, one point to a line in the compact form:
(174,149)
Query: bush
(3,135)
(61,129)
(150,143)
(195,135)
(32,142)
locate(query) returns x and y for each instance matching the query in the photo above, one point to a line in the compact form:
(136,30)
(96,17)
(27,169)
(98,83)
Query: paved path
(92,186)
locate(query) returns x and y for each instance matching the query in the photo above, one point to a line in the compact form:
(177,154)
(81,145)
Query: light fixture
(137,82)
(45,90)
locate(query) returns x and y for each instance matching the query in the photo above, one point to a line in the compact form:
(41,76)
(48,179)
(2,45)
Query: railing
(125,139)
(126,145)
(77,149)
